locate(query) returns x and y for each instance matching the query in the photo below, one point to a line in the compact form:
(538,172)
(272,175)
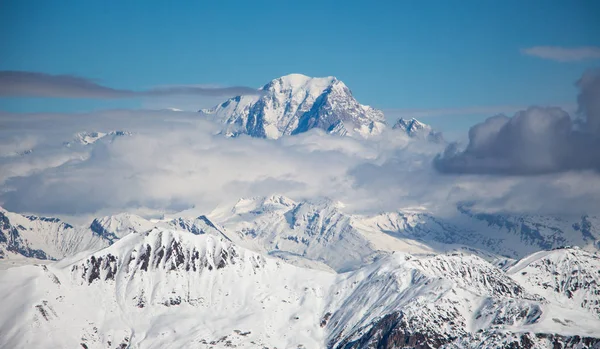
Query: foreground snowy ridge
(278,273)
(166,288)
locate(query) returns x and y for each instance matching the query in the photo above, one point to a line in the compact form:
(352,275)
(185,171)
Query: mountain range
(165,288)
(296,103)
(276,272)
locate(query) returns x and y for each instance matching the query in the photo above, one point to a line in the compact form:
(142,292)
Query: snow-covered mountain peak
(117,226)
(43,237)
(413,125)
(301,83)
(416,129)
(171,288)
(294,104)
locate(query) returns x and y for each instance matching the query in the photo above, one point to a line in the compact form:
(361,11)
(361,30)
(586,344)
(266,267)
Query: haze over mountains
(320,226)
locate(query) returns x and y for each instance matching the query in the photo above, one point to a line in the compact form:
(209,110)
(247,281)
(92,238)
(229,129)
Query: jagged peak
(418,129)
(295,103)
(119,225)
(409,125)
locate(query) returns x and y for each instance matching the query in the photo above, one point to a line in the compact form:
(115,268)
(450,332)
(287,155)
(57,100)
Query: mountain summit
(294,104)
(416,129)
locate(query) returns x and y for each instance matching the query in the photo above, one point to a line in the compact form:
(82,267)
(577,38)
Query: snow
(87,138)
(166,288)
(276,272)
(415,128)
(296,103)
(44,238)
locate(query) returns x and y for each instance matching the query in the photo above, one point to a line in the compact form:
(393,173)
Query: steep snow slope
(172,289)
(43,238)
(566,276)
(117,226)
(296,103)
(543,232)
(164,289)
(314,230)
(454,301)
(311,229)
(508,235)
(318,233)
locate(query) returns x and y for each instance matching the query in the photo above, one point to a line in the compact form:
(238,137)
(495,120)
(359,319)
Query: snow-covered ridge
(42,237)
(318,232)
(51,239)
(296,103)
(277,225)
(567,276)
(314,230)
(166,288)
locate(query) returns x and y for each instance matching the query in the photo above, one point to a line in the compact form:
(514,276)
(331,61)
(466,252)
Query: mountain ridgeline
(274,272)
(296,103)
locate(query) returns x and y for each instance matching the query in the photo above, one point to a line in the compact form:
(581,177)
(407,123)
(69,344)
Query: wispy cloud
(563,54)
(35,84)
(463,111)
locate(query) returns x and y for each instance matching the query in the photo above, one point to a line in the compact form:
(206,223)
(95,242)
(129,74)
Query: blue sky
(393,55)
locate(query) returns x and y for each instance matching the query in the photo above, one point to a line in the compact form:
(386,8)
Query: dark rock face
(99,230)
(393,331)
(585,227)
(98,268)
(171,257)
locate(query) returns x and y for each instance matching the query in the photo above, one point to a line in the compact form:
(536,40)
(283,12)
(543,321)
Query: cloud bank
(175,163)
(563,54)
(538,140)
(34,84)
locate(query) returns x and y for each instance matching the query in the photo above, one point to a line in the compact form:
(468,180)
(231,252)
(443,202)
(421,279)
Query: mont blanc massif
(277,271)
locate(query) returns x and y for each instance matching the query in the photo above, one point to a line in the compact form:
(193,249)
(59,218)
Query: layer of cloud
(538,140)
(563,54)
(35,84)
(174,162)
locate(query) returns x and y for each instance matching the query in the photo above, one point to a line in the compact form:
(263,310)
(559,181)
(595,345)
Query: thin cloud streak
(35,84)
(463,111)
(563,54)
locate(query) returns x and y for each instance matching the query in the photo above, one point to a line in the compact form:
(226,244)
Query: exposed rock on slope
(166,288)
(296,103)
